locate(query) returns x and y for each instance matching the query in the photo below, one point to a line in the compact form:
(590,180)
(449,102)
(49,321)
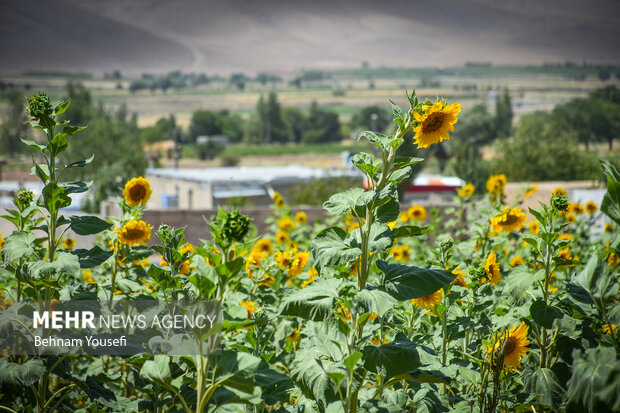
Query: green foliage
(557,155)
(14,127)
(317,191)
(371,118)
(503,115)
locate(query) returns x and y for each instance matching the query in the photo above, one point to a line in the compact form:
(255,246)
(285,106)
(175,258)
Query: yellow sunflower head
(575,208)
(530,191)
(434,123)
(570,217)
(430,301)
(278,200)
(516,260)
(88,277)
(134,232)
(249,306)
(282,238)
(515,345)
(301,217)
(137,191)
(263,247)
(591,207)
(286,224)
(607,228)
(68,244)
(467,190)
(492,270)
(300,260)
(534,227)
(460,278)
(404,217)
(509,221)
(496,185)
(417,213)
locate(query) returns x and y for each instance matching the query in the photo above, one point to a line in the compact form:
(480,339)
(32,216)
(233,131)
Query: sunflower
(417,213)
(467,190)
(610,328)
(534,227)
(509,221)
(278,200)
(69,244)
(301,217)
(496,185)
(558,191)
(515,346)
(88,277)
(269,281)
(2,241)
(263,247)
(294,336)
(282,238)
(310,279)
(516,260)
(137,191)
(591,207)
(300,261)
(530,191)
(253,260)
(492,270)
(403,216)
(607,228)
(460,278)
(430,301)
(570,217)
(134,232)
(434,123)
(286,224)
(392,225)
(575,208)
(613,260)
(249,307)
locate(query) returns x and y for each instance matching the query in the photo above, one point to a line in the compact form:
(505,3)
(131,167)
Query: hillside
(270,35)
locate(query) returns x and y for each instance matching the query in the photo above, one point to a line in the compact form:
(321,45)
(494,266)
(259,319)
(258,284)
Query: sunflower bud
(23,199)
(39,106)
(559,202)
(235,226)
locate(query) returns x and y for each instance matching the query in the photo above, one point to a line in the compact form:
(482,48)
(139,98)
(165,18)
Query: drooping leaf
(157,370)
(65,263)
(597,280)
(92,257)
(543,314)
(88,225)
(310,373)
(405,282)
(543,383)
(375,301)
(409,231)
(314,302)
(80,164)
(344,202)
(18,245)
(611,201)
(392,359)
(379,240)
(595,382)
(330,248)
(21,374)
(366,163)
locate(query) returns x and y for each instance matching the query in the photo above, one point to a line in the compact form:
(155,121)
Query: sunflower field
(483,308)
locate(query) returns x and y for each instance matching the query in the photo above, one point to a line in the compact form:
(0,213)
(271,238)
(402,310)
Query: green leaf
(55,197)
(597,279)
(543,314)
(409,231)
(314,302)
(61,107)
(329,248)
(379,240)
(400,174)
(405,282)
(88,225)
(345,202)
(77,187)
(543,384)
(325,338)
(366,163)
(72,130)
(405,161)
(392,359)
(375,301)
(21,375)
(611,201)
(352,360)
(41,170)
(310,374)
(382,141)
(65,263)
(92,257)
(57,145)
(18,245)
(80,164)
(388,212)
(157,370)
(595,381)
(34,145)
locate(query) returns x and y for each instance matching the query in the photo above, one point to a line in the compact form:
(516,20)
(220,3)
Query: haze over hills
(248,36)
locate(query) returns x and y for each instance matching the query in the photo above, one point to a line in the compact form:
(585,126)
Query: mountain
(282,36)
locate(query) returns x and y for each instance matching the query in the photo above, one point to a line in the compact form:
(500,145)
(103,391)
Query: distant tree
(238,80)
(604,74)
(231,125)
(503,115)
(296,82)
(364,119)
(609,93)
(321,126)
(204,122)
(539,152)
(14,128)
(81,109)
(295,120)
(272,125)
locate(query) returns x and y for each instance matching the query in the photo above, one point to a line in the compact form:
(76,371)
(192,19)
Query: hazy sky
(283,36)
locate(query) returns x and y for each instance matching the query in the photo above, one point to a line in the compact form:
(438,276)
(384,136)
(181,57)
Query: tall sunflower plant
(353,311)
